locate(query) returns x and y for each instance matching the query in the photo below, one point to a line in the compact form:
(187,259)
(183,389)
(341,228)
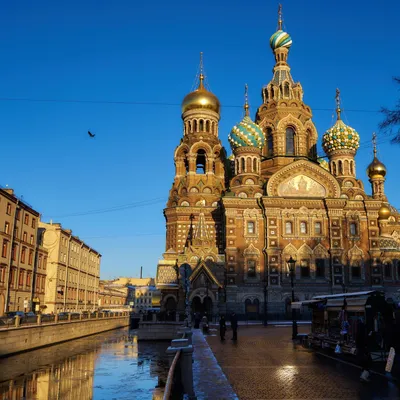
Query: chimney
(141,272)
(9,191)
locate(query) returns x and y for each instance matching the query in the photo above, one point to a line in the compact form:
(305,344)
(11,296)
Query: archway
(197,306)
(208,305)
(170,308)
(252,309)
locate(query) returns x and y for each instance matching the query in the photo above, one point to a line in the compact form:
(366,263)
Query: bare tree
(391,123)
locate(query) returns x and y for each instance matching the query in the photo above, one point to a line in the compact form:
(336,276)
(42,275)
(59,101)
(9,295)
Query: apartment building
(20,288)
(73,271)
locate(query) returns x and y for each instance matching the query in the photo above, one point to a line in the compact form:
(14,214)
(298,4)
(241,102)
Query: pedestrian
(222,327)
(234,325)
(197,319)
(363,353)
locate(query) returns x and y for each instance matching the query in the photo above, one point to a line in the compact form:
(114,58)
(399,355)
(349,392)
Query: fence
(180,374)
(18,321)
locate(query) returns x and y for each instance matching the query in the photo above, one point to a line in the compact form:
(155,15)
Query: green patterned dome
(280,39)
(340,137)
(246,134)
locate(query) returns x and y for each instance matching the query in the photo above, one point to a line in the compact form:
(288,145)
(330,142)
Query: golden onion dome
(376,169)
(201,98)
(384,212)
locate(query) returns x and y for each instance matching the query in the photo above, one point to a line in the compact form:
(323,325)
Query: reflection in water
(105,366)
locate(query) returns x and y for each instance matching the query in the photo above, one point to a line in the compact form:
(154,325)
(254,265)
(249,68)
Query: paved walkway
(265,364)
(208,379)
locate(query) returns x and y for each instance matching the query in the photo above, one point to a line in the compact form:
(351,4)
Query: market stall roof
(354,294)
(298,304)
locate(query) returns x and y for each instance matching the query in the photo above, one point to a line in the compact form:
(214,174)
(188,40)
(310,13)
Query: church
(232,223)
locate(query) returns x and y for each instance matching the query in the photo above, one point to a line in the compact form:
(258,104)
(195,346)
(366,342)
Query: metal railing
(17,321)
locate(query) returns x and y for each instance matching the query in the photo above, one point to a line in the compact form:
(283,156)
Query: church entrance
(202,307)
(252,309)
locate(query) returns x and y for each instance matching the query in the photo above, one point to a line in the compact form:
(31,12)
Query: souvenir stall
(341,321)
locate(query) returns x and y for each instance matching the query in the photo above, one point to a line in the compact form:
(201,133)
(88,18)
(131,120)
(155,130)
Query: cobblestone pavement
(265,364)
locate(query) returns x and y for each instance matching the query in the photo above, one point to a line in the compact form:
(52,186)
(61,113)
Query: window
(28,279)
(14,252)
(290,141)
(388,269)
(9,208)
(303,227)
(318,228)
(33,223)
(30,259)
(21,278)
(270,142)
(251,269)
(5,248)
(356,271)
(23,254)
(26,219)
(2,274)
(16,232)
(25,237)
(7,228)
(250,228)
(18,214)
(288,228)
(13,275)
(320,268)
(201,162)
(353,229)
(304,269)
(31,240)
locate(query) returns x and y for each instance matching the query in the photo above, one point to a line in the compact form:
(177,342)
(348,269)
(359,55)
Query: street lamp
(292,270)
(176,268)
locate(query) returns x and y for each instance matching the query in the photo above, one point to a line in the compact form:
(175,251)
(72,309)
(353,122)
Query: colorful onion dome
(340,137)
(280,39)
(246,134)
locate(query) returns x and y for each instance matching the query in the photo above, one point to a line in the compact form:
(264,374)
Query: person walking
(363,353)
(222,327)
(234,325)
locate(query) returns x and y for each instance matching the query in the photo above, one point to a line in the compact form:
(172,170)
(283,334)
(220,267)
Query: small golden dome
(384,212)
(376,169)
(200,98)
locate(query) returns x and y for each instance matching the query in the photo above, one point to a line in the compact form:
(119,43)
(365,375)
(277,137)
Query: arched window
(190,126)
(270,142)
(286,89)
(254,164)
(201,126)
(207,126)
(237,166)
(303,227)
(353,229)
(251,268)
(340,167)
(290,141)
(272,92)
(201,162)
(186,162)
(387,267)
(195,125)
(288,228)
(243,165)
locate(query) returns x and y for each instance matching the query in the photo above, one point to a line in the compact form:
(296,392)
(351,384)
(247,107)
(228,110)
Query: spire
(246,101)
(374,143)
(201,235)
(280,20)
(338,110)
(201,77)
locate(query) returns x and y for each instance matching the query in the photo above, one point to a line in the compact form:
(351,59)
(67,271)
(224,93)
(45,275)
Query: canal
(111,365)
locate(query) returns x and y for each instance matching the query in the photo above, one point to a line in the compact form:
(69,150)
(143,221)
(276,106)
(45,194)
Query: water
(107,366)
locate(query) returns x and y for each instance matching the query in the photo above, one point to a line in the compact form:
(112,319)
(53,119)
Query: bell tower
(199,178)
(284,118)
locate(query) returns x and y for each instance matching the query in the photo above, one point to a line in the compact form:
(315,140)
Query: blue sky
(131,51)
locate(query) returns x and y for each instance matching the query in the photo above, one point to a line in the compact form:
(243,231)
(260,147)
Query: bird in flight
(91,134)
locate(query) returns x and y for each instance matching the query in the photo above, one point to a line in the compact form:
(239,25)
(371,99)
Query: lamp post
(176,268)
(292,270)
(206,299)
(265,301)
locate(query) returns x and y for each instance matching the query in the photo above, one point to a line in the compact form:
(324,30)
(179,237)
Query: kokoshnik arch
(236,220)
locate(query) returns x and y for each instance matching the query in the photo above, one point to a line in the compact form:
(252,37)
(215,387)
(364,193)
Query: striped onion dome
(280,39)
(246,134)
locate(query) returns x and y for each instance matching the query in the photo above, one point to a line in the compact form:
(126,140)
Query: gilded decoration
(301,185)
(325,184)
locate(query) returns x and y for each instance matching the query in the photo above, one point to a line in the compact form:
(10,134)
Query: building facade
(21,276)
(115,296)
(73,271)
(233,223)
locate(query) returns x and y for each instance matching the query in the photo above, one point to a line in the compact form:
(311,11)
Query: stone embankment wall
(24,338)
(159,330)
